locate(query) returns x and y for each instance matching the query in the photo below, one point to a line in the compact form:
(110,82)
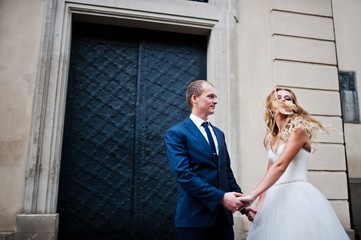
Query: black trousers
(221,230)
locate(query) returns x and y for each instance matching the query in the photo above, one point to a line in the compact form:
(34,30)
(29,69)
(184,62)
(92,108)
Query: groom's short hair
(195,88)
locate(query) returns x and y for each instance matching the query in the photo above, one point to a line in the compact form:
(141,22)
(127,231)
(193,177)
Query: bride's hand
(251,213)
(247,200)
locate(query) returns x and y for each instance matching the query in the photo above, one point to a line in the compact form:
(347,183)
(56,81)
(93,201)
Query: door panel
(124,90)
(98,144)
(165,74)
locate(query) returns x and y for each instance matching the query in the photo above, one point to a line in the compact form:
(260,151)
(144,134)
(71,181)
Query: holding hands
(231,201)
(251,213)
(234,201)
(247,201)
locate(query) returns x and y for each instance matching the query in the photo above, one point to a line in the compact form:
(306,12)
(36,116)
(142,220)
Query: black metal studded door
(124,90)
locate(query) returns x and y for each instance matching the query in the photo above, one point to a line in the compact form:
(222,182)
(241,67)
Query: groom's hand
(231,202)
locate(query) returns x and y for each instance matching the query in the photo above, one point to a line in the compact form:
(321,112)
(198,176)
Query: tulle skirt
(296,211)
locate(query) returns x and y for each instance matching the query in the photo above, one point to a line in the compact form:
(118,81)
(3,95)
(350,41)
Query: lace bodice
(297,170)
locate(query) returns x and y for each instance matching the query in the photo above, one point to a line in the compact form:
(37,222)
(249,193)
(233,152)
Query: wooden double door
(125,88)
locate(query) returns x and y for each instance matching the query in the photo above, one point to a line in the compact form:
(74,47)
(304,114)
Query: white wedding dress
(293,209)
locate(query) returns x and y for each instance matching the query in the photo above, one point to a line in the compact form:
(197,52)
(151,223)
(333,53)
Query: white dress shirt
(198,122)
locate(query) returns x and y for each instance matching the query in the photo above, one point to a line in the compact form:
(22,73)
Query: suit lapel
(192,128)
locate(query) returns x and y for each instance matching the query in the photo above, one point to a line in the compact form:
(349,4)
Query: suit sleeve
(194,185)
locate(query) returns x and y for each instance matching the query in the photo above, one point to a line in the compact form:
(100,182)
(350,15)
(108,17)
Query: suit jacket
(203,178)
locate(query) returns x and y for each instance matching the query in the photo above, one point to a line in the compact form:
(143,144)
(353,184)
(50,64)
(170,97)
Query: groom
(197,151)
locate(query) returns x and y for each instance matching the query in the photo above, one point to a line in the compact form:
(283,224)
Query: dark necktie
(210,138)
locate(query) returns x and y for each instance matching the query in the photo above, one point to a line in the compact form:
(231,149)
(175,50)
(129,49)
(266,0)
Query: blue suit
(203,177)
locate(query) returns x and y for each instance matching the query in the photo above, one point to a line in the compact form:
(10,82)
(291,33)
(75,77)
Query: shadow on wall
(355,189)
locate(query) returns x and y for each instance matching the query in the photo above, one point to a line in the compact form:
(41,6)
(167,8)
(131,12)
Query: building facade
(83,81)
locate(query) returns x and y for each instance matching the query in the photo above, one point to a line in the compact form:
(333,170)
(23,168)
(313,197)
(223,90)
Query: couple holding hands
(287,206)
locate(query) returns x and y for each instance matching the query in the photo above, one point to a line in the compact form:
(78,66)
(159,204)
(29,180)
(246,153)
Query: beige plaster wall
(348,38)
(20,32)
(254,83)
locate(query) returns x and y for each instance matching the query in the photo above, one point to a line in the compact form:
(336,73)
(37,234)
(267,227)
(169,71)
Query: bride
(289,207)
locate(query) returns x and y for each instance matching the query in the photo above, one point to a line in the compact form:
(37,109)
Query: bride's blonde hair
(297,117)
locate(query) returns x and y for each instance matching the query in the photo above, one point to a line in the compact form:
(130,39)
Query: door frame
(216,19)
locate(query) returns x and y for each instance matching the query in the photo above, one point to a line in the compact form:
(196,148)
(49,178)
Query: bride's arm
(295,142)
(261,197)
(251,211)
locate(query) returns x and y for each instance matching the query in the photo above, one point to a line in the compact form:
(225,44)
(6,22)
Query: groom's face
(205,104)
